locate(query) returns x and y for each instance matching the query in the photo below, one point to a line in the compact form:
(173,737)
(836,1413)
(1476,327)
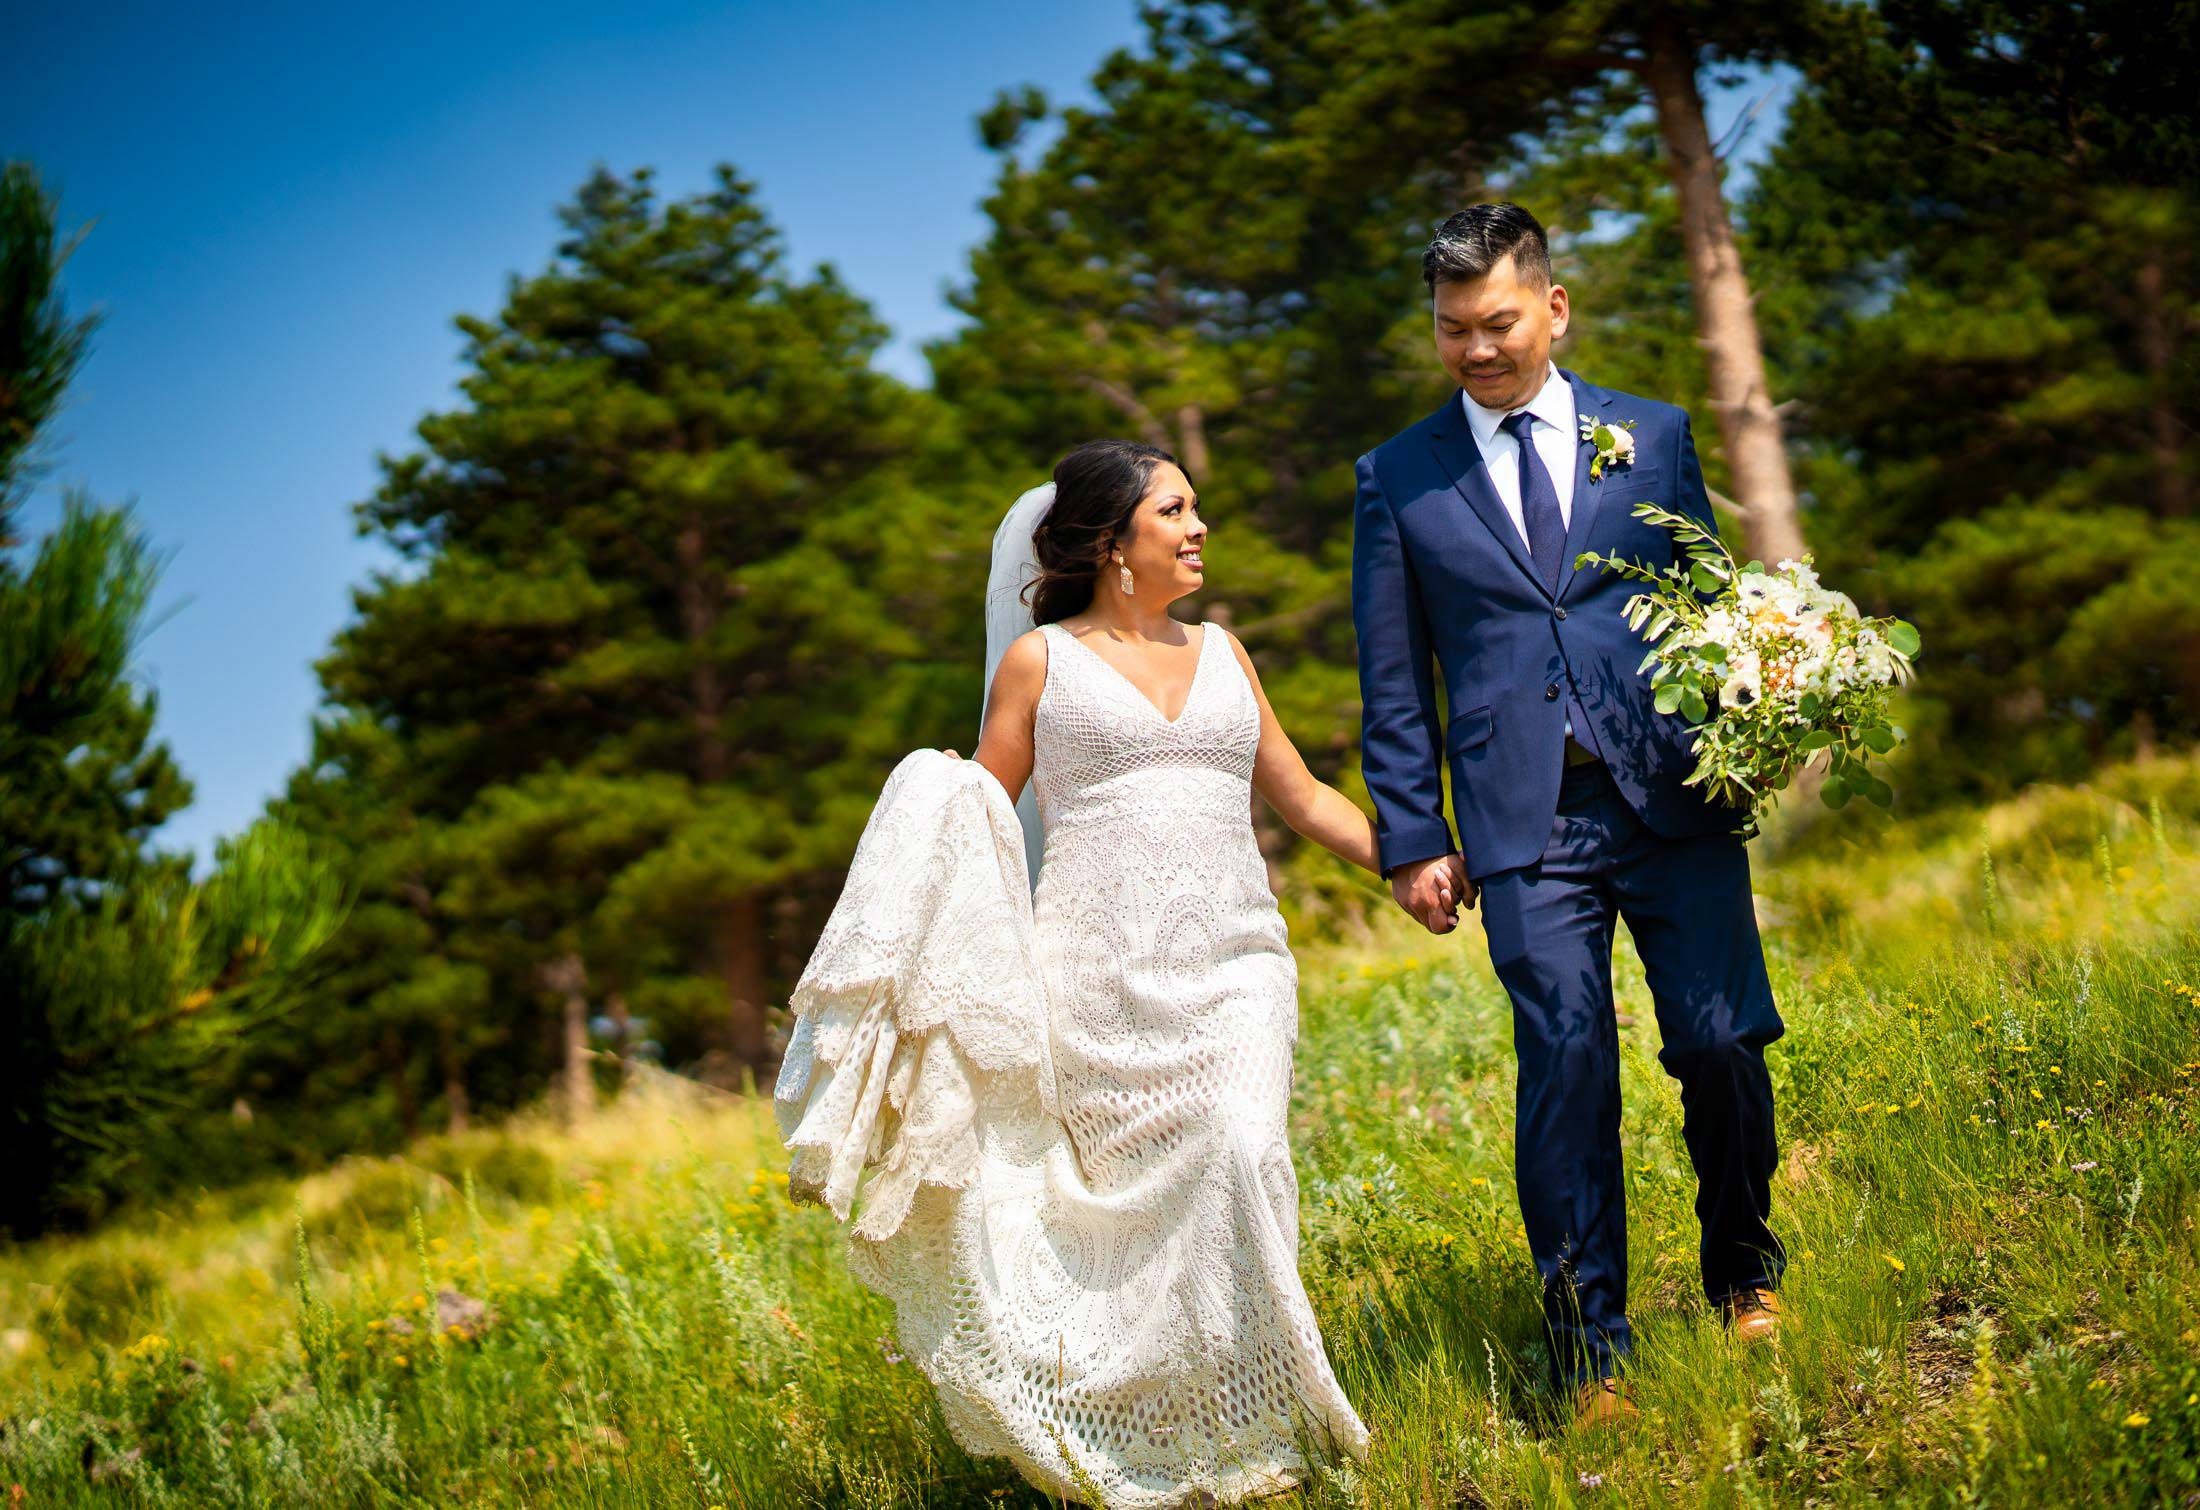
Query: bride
(1066,1108)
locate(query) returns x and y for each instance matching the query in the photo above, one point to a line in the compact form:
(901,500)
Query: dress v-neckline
(1199,670)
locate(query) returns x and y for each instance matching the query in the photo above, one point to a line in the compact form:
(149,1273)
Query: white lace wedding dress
(1070,1105)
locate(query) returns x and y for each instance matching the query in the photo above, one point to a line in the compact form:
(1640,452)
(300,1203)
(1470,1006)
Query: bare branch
(1724,504)
(1150,429)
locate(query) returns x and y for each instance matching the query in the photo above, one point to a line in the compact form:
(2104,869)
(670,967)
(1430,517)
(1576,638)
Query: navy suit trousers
(1687,904)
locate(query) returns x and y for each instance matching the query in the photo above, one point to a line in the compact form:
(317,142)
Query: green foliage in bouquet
(1774,669)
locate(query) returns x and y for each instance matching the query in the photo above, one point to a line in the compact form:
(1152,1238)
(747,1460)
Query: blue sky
(290,204)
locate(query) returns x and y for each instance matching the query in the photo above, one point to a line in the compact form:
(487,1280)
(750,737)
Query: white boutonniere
(1615,447)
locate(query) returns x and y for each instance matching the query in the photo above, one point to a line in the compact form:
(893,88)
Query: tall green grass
(1989,1094)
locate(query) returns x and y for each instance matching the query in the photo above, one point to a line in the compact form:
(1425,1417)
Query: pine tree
(1983,222)
(126,988)
(678,604)
(1448,93)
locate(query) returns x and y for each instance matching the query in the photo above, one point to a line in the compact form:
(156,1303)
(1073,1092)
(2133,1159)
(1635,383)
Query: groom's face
(1494,335)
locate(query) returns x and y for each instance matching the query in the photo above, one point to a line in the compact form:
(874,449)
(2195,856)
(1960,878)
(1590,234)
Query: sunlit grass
(1989,1108)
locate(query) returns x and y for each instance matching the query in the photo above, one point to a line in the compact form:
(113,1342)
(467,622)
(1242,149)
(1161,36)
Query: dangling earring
(1128,591)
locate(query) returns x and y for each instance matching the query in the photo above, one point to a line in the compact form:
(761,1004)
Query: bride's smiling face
(1163,546)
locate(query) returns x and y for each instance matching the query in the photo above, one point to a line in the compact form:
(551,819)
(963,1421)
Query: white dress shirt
(1557,442)
(1557,433)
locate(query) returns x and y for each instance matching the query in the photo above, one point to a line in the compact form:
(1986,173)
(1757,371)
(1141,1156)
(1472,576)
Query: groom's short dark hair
(1476,239)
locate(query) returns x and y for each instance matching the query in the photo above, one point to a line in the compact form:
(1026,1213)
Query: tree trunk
(1191,429)
(741,958)
(698,618)
(454,1079)
(622,1034)
(2172,496)
(1726,324)
(739,940)
(394,1060)
(568,977)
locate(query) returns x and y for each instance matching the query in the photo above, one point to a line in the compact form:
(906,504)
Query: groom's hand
(1433,890)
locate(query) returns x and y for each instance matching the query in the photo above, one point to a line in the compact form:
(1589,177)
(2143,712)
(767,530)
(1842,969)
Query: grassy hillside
(1990,1107)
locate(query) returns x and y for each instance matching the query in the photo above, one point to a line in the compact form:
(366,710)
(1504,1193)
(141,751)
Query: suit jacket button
(1560,612)
(1550,693)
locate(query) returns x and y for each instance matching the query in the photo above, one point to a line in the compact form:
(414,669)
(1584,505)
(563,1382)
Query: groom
(1565,781)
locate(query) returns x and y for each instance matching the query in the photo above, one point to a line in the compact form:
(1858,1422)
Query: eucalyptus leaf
(1669,697)
(1835,792)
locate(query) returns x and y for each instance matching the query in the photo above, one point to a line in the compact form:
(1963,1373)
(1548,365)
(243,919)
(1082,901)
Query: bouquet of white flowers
(1773,668)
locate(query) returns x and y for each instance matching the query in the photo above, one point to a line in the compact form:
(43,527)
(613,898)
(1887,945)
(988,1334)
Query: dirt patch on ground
(1939,1347)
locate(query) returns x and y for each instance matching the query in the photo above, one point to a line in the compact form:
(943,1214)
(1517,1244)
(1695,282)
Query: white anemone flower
(1745,683)
(1801,574)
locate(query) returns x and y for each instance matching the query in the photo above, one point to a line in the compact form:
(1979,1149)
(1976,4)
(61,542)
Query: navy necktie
(1538,502)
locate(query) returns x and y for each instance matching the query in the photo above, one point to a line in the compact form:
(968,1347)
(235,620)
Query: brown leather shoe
(1754,1314)
(1602,1402)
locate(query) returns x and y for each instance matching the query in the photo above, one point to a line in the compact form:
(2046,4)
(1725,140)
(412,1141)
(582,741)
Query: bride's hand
(951,755)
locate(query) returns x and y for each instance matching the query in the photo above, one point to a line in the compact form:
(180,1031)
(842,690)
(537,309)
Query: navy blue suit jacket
(1442,585)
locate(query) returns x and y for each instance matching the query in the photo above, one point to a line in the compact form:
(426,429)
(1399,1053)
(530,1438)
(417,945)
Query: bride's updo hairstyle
(1097,489)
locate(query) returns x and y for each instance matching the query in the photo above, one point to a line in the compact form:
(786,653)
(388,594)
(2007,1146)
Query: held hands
(1432,891)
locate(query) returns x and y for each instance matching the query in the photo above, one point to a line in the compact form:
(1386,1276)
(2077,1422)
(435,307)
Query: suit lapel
(1588,399)
(1461,459)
